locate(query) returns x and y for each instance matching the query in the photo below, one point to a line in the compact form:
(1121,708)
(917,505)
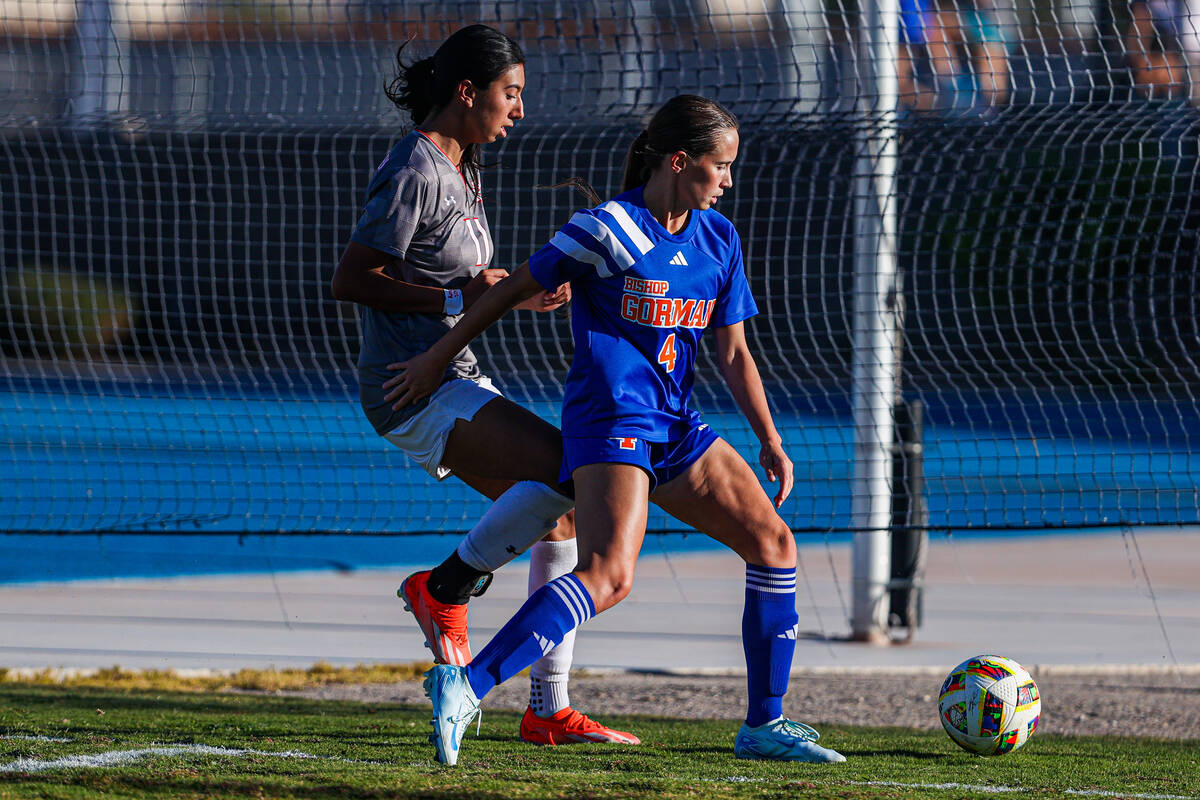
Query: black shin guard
(454,581)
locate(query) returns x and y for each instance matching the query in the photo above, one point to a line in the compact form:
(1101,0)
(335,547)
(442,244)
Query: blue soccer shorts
(662,461)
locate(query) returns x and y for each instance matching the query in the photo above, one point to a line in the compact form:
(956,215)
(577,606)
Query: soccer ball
(989,705)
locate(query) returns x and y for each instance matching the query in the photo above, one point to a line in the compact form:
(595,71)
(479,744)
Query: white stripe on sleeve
(573,249)
(639,239)
(607,239)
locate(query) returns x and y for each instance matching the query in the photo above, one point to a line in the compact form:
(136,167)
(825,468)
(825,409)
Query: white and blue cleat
(783,740)
(455,706)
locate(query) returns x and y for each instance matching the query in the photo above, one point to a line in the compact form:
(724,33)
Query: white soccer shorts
(423,436)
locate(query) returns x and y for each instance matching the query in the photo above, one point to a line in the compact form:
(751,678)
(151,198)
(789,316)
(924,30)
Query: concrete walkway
(1103,600)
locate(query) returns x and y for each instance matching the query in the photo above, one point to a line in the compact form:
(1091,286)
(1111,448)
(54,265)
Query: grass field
(81,742)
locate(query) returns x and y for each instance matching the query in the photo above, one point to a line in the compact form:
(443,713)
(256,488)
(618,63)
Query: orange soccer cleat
(444,624)
(569,727)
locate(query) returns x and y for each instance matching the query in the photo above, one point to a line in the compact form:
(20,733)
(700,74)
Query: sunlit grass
(160,744)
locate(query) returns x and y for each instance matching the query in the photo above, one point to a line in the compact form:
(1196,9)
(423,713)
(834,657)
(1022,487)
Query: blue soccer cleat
(454,707)
(783,740)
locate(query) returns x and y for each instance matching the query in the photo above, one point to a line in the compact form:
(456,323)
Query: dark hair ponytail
(412,87)
(687,122)
(476,53)
(637,163)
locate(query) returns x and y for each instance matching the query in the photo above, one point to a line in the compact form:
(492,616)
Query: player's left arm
(422,374)
(741,375)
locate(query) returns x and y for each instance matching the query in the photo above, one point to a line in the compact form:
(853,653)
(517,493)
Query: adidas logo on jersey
(678,259)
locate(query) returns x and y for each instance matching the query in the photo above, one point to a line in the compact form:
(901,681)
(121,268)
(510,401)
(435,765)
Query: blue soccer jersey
(642,298)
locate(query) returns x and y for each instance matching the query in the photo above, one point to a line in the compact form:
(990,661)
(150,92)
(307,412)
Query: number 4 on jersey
(667,355)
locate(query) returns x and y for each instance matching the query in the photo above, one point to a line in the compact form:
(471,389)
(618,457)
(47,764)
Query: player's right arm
(741,375)
(423,374)
(360,278)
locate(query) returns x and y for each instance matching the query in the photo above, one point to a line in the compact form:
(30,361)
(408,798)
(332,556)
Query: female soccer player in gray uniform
(650,271)
(417,258)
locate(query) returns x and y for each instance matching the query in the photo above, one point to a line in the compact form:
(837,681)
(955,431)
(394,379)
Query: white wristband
(454,302)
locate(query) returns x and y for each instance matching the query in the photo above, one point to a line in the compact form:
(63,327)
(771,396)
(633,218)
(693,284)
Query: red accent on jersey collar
(458,167)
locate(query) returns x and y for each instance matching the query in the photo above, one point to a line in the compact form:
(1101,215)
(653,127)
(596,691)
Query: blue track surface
(185,464)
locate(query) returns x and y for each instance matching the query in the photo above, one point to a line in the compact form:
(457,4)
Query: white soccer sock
(548,676)
(518,518)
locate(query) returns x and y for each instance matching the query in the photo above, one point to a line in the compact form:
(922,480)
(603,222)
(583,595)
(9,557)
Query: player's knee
(613,587)
(776,546)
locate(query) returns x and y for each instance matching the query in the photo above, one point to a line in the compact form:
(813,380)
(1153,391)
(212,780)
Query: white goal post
(877,320)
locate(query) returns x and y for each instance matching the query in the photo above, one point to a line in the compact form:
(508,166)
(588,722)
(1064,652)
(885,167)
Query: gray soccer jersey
(421,212)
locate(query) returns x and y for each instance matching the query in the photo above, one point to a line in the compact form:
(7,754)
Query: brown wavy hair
(686,122)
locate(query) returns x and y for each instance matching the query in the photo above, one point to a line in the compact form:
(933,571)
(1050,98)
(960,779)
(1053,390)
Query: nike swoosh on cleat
(747,746)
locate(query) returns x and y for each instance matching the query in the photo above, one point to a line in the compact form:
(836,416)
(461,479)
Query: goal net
(178,179)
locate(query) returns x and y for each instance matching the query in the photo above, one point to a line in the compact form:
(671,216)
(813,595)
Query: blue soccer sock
(769,639)
(554,610)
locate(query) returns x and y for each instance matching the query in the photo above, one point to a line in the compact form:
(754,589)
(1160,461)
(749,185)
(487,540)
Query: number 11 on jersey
(666,354)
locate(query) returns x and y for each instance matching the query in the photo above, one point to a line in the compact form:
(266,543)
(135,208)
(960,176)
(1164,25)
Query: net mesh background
(178,179)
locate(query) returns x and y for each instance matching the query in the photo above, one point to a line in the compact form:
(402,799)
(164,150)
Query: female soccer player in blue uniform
(418,256)
(650,271)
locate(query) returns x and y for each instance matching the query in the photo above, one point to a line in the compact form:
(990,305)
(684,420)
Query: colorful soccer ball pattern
(989,705)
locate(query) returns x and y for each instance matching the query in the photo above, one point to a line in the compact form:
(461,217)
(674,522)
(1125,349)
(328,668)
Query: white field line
(20,737)
(982,787)
(1099,793)
(1002,789)
(116,758)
